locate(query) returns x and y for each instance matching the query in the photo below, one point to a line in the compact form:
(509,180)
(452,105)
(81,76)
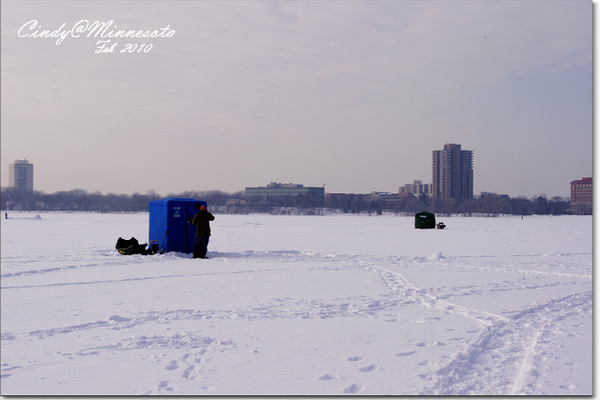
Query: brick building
(582,196)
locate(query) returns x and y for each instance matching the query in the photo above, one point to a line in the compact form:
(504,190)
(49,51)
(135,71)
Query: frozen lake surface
(335,304)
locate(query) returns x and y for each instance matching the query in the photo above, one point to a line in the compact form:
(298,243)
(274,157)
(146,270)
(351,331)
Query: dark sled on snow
(132,246)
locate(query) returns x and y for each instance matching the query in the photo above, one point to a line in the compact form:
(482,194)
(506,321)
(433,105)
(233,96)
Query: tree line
(82,200)
(486,204)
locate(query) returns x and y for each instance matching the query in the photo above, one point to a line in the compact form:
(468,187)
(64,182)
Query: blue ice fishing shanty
(169,223)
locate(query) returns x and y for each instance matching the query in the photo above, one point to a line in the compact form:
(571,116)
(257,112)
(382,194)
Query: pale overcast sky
(351,94)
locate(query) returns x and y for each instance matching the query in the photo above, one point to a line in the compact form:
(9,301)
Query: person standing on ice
(202,223)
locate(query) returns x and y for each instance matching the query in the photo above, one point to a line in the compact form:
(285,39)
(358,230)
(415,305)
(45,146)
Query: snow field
(335,304)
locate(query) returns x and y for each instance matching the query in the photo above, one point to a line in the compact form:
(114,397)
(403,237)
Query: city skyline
(353,95)
(416,187)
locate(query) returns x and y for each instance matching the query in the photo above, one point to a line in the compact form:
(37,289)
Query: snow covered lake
(326,305)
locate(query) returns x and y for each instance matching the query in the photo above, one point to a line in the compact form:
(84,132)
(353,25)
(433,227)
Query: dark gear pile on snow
(132,246)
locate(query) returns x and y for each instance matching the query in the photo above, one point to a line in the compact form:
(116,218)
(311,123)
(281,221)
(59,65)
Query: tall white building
(21,175)
(416,188)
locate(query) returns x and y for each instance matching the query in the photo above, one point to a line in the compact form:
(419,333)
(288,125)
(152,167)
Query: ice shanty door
(169,223)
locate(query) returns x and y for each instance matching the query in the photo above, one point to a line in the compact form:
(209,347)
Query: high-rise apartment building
(452,173)
(21,175)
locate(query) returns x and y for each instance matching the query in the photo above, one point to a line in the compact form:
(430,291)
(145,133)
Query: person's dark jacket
(201,221)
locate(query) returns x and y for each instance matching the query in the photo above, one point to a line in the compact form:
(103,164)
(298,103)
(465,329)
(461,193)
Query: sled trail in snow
(511,353)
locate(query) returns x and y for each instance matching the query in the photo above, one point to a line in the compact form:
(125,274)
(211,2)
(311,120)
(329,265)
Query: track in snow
(511,353)
(509,356)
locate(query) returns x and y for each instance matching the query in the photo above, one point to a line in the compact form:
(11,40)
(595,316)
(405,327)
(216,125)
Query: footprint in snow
(353,389)
(188,371)
(355,358)
(368,368)
(406,353)
(165,385)
(172,365)
(328,377)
